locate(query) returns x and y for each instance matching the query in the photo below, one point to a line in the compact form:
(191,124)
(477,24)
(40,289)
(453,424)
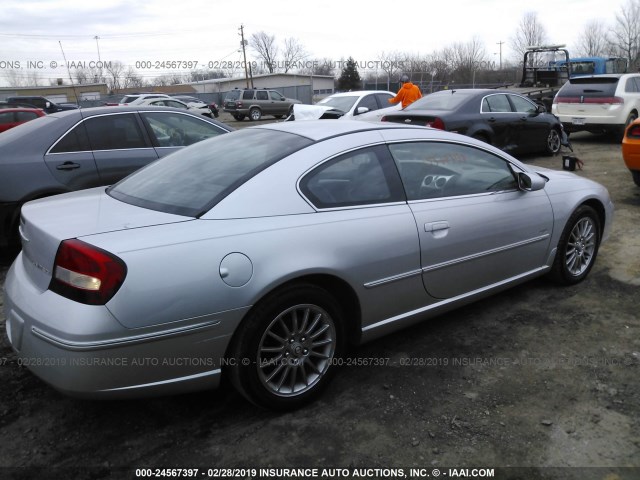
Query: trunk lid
(47,222)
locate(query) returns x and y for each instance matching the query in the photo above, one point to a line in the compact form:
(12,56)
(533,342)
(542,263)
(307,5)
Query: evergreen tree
(350,78)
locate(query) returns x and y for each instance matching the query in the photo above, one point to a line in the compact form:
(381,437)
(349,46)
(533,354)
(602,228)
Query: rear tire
(283,354)
(578,247)
(255,114)
(482,137)
(239,117)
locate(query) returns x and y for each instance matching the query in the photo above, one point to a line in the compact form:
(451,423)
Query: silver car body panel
(191,281)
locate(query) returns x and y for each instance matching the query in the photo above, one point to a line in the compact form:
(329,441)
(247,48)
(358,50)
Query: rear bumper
(571,127)
(83,351)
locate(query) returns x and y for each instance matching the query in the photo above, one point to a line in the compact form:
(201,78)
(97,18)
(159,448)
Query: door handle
(436,226)
(68,166)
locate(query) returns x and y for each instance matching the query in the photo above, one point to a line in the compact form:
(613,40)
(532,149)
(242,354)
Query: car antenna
(73,86)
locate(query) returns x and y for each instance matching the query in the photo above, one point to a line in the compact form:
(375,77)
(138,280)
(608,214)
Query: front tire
(283,355)
(554,142)
(578,247)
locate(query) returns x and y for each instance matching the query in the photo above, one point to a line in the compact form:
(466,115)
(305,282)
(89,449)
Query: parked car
(194,101)
(12,117)
(77,149)
(631,150)
(256,103)
(506,120)
(43,103)
(138,98)
(201,109)
(369,105)
(599,103)
(262,254)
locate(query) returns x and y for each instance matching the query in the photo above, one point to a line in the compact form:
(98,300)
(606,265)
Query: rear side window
(192,180)
(108,132)
(247,95)
(361,177)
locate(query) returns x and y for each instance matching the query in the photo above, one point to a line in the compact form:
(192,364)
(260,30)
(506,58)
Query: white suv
(599,103)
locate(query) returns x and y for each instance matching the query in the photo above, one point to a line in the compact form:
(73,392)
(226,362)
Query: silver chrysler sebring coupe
(263,254)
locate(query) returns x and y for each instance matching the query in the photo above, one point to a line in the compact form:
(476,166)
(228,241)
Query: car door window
(172,129)
(522,105)
(368,101)
(276,96)
(174,104)
(25,116)
(435,170)
(6,117)
(361,177)
(496,103)
(262,95)
(115,132)
(383,99)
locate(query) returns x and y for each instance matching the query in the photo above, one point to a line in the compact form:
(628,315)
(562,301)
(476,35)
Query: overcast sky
(206,31)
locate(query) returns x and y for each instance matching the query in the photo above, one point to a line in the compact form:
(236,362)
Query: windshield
(194,179)
(445,100)
(343,103)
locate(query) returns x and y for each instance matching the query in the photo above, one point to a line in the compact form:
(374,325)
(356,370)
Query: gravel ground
(539,377)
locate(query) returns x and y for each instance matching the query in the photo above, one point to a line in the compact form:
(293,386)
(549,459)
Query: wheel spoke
(295,350)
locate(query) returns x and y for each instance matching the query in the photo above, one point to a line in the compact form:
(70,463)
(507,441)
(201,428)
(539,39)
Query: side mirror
(541,109)
(361,110)
(530,182)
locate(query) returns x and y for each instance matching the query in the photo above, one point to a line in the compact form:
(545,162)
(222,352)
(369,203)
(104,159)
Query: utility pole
(243,42)
(500,43)
(99,61)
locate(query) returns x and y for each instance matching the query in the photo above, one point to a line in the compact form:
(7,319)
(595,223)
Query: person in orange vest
(407,94)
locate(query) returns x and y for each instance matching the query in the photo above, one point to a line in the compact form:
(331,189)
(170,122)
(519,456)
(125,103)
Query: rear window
(589,87)
(192,180)
(446,100)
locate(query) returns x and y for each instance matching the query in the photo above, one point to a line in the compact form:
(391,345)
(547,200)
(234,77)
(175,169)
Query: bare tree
(14,78)
(592,42)
(132,79)
(625,34)
(264,45)
(468,58)
(114,71)
(320,66)
(293,53)
(530,32)
(391,63)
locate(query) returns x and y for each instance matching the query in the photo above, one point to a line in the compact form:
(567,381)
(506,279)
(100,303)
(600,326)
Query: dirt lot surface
(538,377)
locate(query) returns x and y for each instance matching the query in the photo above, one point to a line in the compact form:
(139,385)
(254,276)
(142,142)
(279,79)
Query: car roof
(322,129)
(358,93)
(21,109)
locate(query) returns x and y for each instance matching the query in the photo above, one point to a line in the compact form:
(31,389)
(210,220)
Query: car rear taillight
(86,274)
(436,123)
(634,131)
